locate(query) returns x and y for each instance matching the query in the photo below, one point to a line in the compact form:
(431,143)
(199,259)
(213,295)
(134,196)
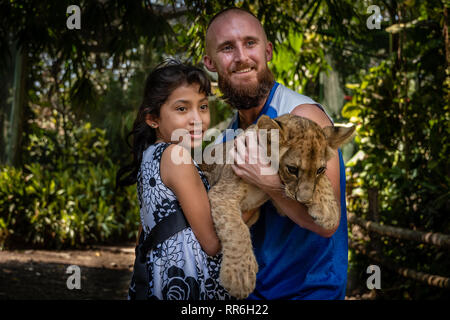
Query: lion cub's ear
(338,135)
(265,122)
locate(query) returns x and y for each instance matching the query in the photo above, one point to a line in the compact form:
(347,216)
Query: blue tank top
(295,263)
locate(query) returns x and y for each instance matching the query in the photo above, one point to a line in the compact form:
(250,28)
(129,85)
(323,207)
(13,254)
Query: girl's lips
(196,135)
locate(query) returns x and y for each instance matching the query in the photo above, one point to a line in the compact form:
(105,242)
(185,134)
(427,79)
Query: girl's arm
(139,234)
(183,179)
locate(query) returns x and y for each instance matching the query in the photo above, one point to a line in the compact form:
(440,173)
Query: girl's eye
(204,107)
(181,109)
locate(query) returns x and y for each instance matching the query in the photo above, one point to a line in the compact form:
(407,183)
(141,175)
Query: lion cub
(304,149)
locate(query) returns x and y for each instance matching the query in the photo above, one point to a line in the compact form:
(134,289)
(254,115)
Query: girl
(181,259)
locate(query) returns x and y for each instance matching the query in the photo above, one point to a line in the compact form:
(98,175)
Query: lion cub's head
(304,149)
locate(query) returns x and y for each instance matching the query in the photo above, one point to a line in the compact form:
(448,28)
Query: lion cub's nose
(304,194)
(305,200)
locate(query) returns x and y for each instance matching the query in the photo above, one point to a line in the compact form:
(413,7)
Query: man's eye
(292,170)
(227,48)
(251,43)
(321,170)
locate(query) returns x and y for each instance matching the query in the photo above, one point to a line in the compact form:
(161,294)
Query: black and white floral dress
(178,268)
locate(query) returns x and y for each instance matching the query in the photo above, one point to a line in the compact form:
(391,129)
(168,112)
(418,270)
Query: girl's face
(186,108)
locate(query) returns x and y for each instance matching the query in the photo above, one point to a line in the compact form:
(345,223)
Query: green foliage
(68,201)
(401,110)
(298,62)
(403,145)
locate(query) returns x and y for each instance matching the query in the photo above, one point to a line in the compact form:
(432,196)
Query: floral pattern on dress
(165,208)
(178,268)
(153,189)
(180,287)
(169,254)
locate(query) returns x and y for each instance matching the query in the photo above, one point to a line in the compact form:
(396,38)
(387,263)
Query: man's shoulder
(285,100)
(289,101)
(293,94)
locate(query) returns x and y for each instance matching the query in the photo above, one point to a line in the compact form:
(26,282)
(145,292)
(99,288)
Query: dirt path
(41,274)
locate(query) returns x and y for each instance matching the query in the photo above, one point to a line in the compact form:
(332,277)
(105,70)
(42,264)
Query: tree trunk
(17,109)
(6,75)
(447,50)
(374,213)
(445,31)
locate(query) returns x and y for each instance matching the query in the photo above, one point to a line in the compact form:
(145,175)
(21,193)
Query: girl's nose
(195,117)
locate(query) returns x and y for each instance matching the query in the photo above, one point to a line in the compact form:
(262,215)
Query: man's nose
(240,54)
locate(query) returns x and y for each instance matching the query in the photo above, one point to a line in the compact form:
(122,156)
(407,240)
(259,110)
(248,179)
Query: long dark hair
(160,84)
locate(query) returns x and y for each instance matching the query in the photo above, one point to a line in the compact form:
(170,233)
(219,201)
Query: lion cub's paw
(325,216)
(238,276)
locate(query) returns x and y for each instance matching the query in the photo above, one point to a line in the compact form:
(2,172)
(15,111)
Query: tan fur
(303,145)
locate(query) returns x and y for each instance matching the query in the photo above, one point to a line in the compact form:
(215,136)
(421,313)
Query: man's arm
(271,184)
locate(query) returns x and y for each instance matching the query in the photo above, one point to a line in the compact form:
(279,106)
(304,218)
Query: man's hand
(252,164)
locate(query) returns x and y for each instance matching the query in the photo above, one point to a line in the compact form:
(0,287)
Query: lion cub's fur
(304,147)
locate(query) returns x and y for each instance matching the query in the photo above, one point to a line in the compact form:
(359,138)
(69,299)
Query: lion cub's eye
(321,170)
(292,169)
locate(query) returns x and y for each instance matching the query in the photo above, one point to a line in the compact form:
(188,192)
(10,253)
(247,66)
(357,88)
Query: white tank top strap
(285,100)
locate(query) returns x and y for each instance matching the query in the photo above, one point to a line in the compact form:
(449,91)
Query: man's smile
(247,70)
(243,69)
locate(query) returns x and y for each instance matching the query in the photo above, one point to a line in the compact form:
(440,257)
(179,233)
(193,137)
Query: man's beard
(249,96)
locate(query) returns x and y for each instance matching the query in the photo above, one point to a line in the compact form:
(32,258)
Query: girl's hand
(247,215)
(139,234)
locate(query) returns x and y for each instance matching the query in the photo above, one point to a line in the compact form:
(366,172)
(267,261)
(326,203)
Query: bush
(403,156)
(66,200)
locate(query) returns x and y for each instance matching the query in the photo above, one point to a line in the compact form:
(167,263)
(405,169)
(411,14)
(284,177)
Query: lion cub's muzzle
(305,193)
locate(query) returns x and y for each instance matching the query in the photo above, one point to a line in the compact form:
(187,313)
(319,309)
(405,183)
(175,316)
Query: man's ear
(209,64)
(269,51)
(338,135)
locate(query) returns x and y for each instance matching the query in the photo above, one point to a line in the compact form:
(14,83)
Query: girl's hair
(160,84)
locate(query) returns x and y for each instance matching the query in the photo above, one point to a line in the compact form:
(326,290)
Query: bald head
(238,50)
(224,18)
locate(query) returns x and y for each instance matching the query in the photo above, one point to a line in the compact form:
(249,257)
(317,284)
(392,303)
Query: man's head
(238,50)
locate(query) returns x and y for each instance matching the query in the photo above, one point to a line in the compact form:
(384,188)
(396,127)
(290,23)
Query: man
(297,258)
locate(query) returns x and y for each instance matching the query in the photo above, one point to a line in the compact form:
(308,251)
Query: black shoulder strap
(167,227)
